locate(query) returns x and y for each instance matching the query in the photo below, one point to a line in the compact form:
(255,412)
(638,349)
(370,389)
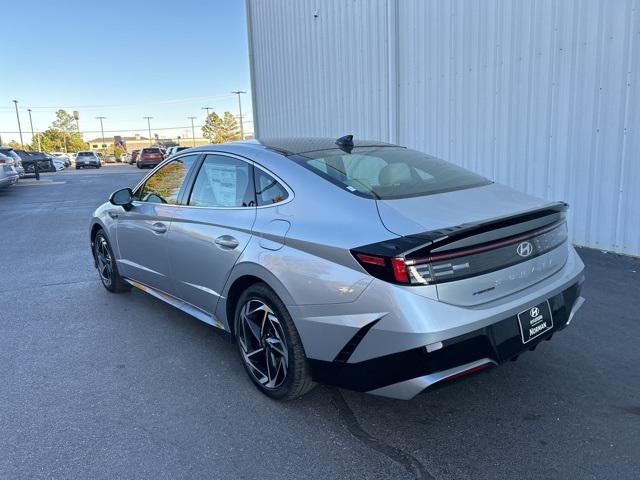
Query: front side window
(388,172)
(223,182)
(164,185)
(268,190)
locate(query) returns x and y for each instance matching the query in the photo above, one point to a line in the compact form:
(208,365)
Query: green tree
(221,129)
(230,129)
(212,127)
(64,121)
(56,140)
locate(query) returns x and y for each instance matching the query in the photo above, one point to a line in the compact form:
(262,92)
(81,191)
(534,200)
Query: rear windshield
(85,154)
(151,150)
(389,172)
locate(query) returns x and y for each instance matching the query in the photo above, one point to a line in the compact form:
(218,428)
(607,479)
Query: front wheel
(269,345)
(107,267)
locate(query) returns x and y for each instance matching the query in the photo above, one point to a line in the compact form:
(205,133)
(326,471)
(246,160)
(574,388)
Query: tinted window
(164,185)
(85,154)
(268,190)
(223,182)
(389,172)
(151,150)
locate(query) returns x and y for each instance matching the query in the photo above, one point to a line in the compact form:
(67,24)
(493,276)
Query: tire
(292,377)
(103,254)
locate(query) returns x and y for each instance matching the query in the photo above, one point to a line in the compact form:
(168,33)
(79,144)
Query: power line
(127,105)
(125,130)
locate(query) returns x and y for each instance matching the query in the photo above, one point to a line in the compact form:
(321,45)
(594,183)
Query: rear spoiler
(424,242)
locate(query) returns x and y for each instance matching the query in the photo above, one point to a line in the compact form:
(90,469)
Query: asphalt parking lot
(97,385)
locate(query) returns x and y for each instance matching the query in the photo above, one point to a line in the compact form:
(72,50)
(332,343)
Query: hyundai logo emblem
(534,312)
(524,249)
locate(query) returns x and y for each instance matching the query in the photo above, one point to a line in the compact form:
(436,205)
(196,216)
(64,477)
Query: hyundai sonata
(354,263)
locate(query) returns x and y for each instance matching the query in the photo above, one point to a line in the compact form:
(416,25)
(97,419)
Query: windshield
(85,154)
(389,172)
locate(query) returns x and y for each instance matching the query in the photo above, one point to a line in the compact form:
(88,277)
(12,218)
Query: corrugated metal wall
(540,95)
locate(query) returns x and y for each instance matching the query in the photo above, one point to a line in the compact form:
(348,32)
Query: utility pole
(149,126)
(207,109)
(18,117)
(240,92)
(193,130)
(102,128)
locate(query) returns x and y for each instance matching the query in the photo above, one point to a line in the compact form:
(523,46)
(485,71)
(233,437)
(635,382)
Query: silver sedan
(353,263)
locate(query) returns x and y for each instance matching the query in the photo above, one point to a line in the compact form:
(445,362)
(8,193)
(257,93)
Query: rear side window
(165,184)
(388,172)
(268,189)
(223,182)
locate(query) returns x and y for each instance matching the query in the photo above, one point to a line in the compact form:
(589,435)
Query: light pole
(149,126)
(35,161)
(76,115)
(240,92)
(32,134)
(18,117)
(193,130)
(207,109)
(102,129)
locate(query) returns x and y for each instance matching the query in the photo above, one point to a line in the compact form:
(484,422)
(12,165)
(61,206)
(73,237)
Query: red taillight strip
(483,248)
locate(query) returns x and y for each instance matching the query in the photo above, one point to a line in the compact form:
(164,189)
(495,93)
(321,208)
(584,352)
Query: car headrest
(395,173)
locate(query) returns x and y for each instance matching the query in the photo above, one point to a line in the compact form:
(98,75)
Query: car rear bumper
(8,180)
(405,374)
(393,342)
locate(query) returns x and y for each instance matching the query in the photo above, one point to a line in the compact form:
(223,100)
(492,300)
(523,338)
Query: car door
(142,230)
(211,230)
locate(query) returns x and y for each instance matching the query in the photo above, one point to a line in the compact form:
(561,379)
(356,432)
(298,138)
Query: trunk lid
(479,244)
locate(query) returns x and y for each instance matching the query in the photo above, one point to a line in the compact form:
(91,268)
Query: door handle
(113,215)
(227,241)
(159,227)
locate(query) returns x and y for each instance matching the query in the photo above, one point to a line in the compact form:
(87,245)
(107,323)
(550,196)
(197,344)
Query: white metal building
(542,95)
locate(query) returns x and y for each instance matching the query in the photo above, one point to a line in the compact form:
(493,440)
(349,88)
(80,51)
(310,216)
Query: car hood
(414,215)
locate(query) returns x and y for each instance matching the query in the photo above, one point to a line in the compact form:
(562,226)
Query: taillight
(391,269)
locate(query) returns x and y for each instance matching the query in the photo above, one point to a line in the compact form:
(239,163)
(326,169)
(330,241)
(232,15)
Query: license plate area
(535,321)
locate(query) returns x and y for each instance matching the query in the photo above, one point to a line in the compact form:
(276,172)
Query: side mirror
(123,197)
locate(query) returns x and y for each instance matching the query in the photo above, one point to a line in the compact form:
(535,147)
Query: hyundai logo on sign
(524,249)
(534,312)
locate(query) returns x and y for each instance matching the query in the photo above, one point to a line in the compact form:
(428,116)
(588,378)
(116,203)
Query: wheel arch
(242,277)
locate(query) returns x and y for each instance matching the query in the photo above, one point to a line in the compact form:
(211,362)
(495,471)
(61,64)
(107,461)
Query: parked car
(359,264)
(58,163)
(124,158)
(45,162)
(8,174)
(134,157)
(87,159)
(17,161)
(173,150)
(149,157)
(62,156)
(109,159)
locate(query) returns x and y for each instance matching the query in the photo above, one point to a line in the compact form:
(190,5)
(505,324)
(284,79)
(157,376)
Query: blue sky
(123,60)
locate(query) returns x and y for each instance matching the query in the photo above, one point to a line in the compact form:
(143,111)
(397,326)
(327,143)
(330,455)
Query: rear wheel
(269,345)
(107,267)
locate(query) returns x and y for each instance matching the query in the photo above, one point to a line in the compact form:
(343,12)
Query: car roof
(296,145)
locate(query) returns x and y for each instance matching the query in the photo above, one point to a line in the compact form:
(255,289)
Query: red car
(149,157)
(134,156)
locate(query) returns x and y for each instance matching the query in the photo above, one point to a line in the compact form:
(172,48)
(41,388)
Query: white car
(59,163)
